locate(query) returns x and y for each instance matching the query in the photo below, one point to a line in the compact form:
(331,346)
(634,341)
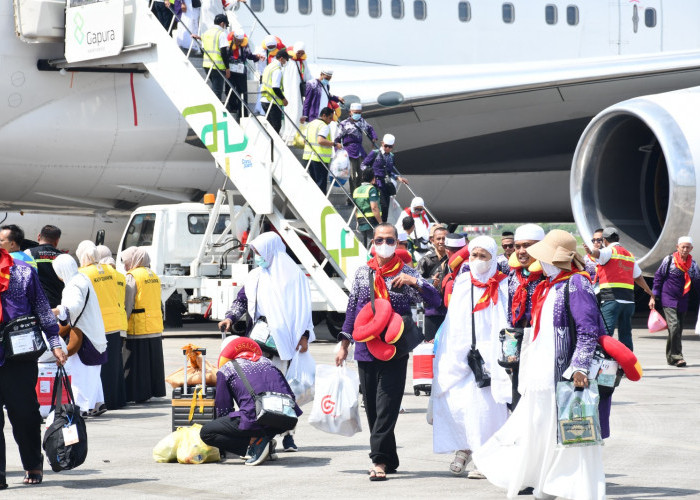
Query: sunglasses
(389,241)
(597,240)
(388,146)
(509,245)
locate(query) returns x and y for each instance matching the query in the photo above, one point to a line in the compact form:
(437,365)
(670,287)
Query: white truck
(198,250)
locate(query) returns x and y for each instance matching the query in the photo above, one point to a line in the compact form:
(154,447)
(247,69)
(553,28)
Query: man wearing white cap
(417,212)
(240,53)
(525,274)
(318,96)
(673,280)
(351,132)
(382,162)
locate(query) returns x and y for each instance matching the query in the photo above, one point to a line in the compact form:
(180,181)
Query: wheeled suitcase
(193,404)
(423,368)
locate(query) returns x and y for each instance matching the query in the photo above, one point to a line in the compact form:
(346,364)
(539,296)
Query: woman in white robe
(189,19)
(464,415)
(79,306)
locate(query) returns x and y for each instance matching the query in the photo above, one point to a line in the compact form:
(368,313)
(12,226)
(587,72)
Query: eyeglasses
(597,240)
(389,241)
(508,245)
(388,146)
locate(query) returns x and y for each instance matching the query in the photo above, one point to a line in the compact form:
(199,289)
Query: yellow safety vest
(313,149)
(361,197)
(146,317)
(267,78)
(109,295)
(210,44)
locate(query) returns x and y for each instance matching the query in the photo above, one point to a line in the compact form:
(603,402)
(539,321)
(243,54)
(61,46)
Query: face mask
(385,251)
(324,83)
(356,116)
(480,266)
(550,270)
(261,262)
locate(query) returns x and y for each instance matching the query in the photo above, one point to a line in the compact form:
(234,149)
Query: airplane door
(640,26)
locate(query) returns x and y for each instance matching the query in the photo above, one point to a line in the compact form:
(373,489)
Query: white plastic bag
(340,166)
(301,376)
(336,407)
(697,326)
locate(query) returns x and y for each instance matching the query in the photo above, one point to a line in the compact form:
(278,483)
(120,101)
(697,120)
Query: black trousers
(216,82)
(274,116)
(112,373)
(356,176)
(319,173)
(382,384)
(224,434)
(384,200)
(240,83)
(18,394)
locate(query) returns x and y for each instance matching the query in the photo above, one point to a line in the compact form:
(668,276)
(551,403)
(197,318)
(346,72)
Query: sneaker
(273,450)
(475,474)
(288,443)
(259,451)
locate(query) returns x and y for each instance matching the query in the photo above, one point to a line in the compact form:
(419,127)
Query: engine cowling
(635,168)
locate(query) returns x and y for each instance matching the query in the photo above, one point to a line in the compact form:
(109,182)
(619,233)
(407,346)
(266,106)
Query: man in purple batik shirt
(351,133)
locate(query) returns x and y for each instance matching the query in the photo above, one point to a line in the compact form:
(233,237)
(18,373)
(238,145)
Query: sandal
(680,363)
(377,474)
(33,477)
(462,458)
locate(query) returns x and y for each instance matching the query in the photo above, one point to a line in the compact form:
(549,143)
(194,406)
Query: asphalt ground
(653,451)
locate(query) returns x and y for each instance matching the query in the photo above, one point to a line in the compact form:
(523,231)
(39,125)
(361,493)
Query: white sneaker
(475,474)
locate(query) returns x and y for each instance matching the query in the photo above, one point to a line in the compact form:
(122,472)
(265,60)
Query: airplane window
(464,11)
(305,7)
(550,14)
(352,8)
(508,13)
(256,5)
(375,8)
(420,10)
(328,7)
(572,15)
(397,9)
(280,6)
(650,18)
(140,231)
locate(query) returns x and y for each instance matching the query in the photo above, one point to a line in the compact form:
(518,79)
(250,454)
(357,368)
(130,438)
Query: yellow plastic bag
(166,449)
(192,449)
(298,141)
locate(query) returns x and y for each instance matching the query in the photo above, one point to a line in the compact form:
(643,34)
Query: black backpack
(62,456)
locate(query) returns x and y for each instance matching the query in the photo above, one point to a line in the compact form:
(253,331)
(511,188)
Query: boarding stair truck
(262,169)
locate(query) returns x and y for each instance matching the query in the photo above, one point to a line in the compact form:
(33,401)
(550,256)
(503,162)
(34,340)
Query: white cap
(356,106)
(417,202)
(403,236)
(299,46)
(389,139)
(270,42)
(327,71)
(685,239)
(238,34)
(529,232)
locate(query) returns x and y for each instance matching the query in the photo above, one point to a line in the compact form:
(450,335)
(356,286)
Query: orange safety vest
(615,277)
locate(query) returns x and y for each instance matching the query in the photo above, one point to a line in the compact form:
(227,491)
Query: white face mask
(480,266)
(550,270)
(385,251)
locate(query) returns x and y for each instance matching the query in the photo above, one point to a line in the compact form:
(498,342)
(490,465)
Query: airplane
(488,101)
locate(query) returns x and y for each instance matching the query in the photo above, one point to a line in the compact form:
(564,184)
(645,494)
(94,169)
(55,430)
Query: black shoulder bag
(22,339)
(474,359)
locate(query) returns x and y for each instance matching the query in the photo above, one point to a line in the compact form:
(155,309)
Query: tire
(334,322)
(173,311)
(416,392)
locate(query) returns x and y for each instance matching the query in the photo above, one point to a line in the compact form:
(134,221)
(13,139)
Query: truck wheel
(173,311)
(334,322)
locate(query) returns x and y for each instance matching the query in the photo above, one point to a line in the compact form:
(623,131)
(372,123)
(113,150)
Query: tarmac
(653,451)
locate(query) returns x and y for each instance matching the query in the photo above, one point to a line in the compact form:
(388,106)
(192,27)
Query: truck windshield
(197,223)
(140,231)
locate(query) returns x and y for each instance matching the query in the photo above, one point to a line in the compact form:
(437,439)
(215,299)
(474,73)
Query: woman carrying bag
(80,308)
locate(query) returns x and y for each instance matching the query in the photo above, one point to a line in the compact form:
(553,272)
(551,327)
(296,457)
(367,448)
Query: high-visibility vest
(615,277)
(361,197)
(267,77)
(313,150)
(146,317)
(109,295)
(211,41)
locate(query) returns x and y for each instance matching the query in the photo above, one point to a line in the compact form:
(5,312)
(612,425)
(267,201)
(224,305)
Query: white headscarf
(103,252)
(488,244)
(73,301)
(135,257)
(282,294)
(86,253)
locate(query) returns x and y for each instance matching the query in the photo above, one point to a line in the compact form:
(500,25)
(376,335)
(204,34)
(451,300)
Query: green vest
(267,75)
(361,197)
(210,44)
(312,149)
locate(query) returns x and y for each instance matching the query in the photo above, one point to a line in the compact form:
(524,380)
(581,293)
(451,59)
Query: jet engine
(635,168)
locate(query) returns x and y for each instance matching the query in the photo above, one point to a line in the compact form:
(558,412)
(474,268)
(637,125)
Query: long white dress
(524,452)
(465,416)
(189,18)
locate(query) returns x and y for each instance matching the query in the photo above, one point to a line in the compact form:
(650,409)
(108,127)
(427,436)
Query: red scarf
(391,268)
(491,292)
(519,304)
(6,262)
(685,267)
(541,292)
(423,217)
